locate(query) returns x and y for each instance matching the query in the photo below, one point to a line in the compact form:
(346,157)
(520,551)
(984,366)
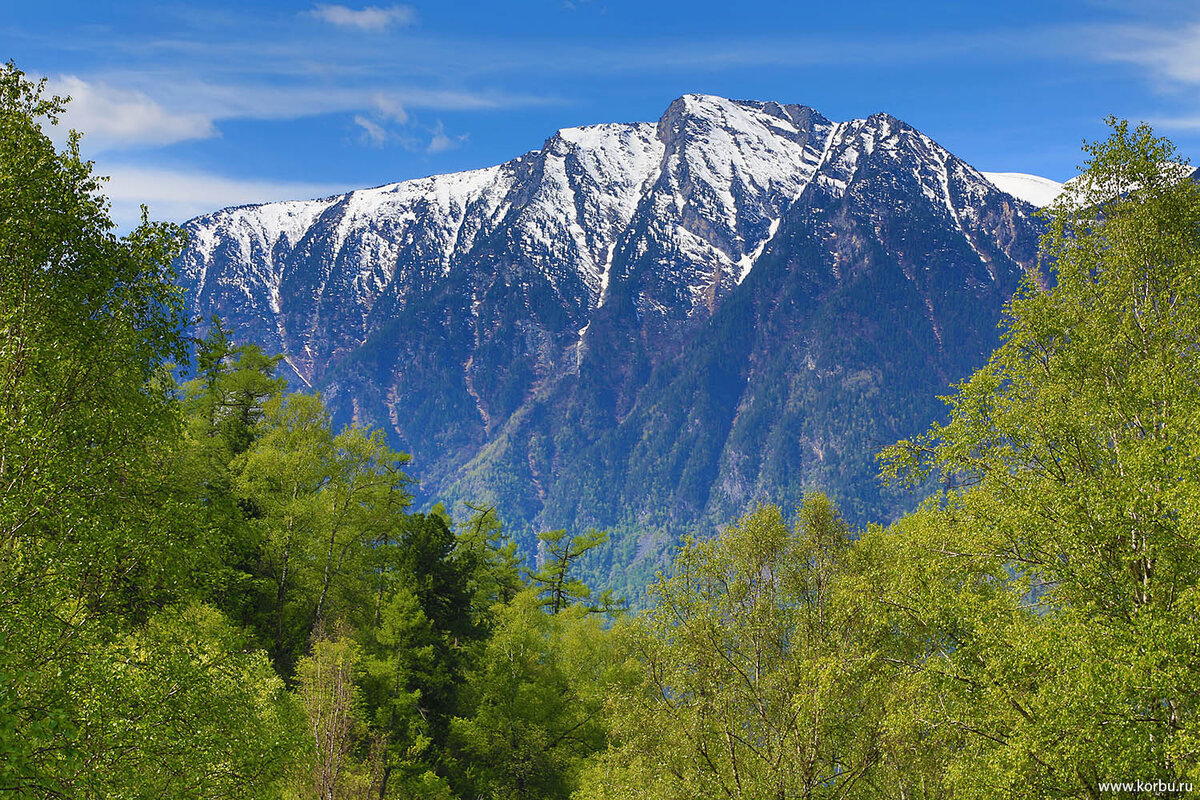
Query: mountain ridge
(618,319)
(290,218)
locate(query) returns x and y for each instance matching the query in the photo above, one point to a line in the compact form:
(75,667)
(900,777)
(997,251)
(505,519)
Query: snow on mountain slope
(679,211)
(1041,192)
(728,172)
(675,314)
(688,204)
(583,190)
(1033,189)
(686,207)
(583,186)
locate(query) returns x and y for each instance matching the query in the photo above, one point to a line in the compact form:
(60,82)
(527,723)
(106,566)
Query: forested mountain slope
(647,327)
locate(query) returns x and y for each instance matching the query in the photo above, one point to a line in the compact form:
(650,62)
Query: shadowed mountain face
(646,327)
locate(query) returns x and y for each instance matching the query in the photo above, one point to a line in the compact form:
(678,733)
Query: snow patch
(747,262)
(1033,189)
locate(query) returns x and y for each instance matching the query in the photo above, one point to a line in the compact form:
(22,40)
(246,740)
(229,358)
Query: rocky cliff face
(640,326)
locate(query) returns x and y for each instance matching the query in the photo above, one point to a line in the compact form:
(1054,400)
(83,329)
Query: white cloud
(440,141)
(1170,53)
(1170,58)
(389,107)
(1176,123)
(120,112)
(262,100)
(373,133)
(177,196)
(371,18)
(113,118)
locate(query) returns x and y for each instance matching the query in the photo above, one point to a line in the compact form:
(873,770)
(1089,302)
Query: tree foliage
(558,553)
(208,591)
(107,663)
(1067,652)
(755,681)
(536,699)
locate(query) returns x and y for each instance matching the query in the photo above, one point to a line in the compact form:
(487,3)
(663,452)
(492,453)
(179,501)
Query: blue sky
(193,106)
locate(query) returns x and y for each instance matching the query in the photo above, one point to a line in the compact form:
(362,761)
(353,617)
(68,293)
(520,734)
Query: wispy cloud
(440,141)
(1176,123)
(386,122)
(289,72)
(371,18)
(1168,53)
(439,62)
(373,133)
(258,97)
(119,112)
(177,195)
(117,118)
(389,107)
(378,129)
(293,74)
(284,67)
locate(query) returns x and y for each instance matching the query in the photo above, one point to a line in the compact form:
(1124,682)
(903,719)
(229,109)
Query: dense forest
(206,591)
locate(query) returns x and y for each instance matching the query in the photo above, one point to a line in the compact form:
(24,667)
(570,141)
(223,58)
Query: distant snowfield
(1033,189)
(1041,192)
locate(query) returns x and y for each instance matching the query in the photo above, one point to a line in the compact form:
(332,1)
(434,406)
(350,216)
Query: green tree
(1069,658)
(181,708)
(87,322)
(224,406)
(332,703)
(536,699)
(423,637)
(283,476)
(558,554)
(491,561)
(756,683)
(232,386)
(112,684)
(320,499)
(403,646)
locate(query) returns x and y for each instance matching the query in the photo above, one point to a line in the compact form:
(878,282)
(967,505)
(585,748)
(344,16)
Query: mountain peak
(683,208)
(704,110)
(673,315)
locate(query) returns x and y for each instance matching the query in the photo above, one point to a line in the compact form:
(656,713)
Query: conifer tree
(559,554)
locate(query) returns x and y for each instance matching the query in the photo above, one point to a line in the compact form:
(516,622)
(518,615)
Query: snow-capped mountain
(1033,189)
(643,324)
